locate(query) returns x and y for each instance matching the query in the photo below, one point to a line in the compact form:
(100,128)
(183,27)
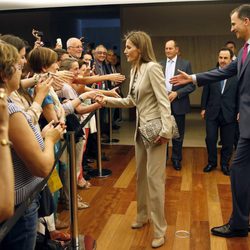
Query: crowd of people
(38,91)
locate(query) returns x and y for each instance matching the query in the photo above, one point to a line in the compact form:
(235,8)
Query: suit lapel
(218,87)
(240,67)
(228,81)
(245,64)
(141,74)
(132,76)
(177,66)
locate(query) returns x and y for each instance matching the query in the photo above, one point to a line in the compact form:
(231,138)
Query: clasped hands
(161,140)
(100,98)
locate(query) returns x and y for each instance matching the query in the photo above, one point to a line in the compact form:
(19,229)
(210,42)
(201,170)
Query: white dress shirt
(169,72)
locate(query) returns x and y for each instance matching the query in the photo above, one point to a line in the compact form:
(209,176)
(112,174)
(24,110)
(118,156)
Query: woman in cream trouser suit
(148,93)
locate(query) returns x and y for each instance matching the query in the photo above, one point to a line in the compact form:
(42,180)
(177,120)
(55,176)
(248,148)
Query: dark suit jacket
(243,75)
(213,101)
(181,105)
(105,70)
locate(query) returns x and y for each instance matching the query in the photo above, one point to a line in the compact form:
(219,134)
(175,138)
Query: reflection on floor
(194,136)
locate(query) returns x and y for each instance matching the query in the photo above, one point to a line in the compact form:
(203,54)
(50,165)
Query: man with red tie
(238,224)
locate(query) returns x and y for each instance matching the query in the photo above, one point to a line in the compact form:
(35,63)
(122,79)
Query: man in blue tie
(219,109)
(238,224)
(178,96)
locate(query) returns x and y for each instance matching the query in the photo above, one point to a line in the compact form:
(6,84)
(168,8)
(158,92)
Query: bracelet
(36,78)
(5,142)
(81,99)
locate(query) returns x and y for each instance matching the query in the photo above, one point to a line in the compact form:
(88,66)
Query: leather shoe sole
(208,168)
(226,232)
(158,242)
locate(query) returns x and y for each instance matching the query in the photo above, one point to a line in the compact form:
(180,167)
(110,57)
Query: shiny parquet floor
(195,202)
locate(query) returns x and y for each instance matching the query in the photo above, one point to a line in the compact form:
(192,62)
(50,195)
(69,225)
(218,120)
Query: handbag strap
(7,225)
(85,121)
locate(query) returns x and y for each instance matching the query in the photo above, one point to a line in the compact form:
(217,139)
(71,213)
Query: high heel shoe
(158,242)
(138,225)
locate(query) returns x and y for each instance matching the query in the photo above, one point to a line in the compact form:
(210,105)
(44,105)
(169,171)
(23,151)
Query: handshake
(100,98)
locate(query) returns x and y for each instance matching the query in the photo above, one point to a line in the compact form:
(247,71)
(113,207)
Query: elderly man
(74,47)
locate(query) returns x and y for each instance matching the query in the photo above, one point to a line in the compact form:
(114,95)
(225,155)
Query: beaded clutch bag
(151,130)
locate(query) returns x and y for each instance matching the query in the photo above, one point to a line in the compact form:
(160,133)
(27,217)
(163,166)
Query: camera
(37,34)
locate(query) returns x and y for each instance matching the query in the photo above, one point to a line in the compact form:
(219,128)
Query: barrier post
(78,242)
(99,172)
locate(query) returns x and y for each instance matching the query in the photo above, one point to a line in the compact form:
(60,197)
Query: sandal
(61,236)
(83,184)
(81,205)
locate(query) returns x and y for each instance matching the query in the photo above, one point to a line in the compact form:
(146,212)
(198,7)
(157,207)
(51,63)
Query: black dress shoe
(208,168)
(177,165)
(225,170)
(248,228)
(227,232)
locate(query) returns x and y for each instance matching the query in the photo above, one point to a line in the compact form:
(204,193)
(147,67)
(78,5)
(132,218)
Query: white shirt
(169,72)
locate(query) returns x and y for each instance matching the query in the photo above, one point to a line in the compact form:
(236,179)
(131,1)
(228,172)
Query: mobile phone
(59,41)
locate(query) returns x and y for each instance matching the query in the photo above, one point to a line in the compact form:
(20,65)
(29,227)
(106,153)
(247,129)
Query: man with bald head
(178,96)
(74,47)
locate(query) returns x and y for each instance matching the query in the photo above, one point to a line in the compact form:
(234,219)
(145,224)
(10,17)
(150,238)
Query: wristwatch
(81,99)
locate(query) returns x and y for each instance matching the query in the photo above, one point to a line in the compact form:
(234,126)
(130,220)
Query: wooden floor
(195,201)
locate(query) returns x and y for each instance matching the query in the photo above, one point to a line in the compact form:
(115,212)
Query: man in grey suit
(219,109)
(238,224)
(178,96)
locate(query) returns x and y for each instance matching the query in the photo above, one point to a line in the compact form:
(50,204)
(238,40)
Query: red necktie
(244,54)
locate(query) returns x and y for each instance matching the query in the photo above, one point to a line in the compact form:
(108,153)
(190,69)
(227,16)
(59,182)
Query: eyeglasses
(101,53)
(76,47)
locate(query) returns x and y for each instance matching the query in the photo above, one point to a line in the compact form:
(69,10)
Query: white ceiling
(31,4)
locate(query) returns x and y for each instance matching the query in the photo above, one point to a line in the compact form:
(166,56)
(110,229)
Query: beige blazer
(151,99)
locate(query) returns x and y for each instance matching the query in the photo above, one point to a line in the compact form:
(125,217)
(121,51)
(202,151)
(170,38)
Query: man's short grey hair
(71,40)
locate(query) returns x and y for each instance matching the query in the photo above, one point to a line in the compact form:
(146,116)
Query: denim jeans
(23,234)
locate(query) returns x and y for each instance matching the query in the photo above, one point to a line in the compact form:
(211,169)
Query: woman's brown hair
(40,58)
(8,57)
(142,41)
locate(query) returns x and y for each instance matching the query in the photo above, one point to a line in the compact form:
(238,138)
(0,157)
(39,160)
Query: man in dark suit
(238,224)
(178,96)
(219,109)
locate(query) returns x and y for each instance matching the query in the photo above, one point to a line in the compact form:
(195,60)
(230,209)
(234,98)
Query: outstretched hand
(181,79)
(100,99)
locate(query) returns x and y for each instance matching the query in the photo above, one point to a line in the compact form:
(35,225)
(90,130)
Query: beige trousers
(150,166)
